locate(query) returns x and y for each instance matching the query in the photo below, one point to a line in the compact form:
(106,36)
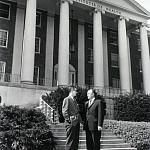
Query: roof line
(140,6)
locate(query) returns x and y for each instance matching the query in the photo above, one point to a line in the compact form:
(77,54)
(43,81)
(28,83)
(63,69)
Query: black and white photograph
(74,74)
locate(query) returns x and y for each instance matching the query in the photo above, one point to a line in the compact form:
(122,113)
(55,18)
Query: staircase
(109,141)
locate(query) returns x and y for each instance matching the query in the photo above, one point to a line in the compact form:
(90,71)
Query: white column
(63,56)
(130,73)
(49,51)
(123,55)
(17,50)
(81,55)
(29,43)
(145,58)
(105,51)
(98,50)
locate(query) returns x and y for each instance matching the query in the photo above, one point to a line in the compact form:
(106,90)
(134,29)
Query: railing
(6,77)
(16,78)
(49,112)
(110,91)
(105,91)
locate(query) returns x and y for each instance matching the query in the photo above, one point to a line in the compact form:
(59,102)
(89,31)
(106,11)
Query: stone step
(63,133)
(118,145)
(63,129)
(109,141)
(128,148)
(83,147)
(83,141)
(82,137)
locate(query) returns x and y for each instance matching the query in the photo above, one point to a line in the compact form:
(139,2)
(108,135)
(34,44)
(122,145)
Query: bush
(132,107)
(26,129)
(135,133)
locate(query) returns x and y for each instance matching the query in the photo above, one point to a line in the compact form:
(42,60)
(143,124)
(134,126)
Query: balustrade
(49,112)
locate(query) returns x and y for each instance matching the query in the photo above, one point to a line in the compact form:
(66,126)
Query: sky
(145,4)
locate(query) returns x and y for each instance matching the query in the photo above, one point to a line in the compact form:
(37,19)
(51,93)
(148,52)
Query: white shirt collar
(71,96)
(91,101)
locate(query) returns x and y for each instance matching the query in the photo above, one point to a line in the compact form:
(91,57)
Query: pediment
(129,5)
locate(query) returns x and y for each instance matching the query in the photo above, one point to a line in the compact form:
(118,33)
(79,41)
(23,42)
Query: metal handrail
(48,111)
(105,91)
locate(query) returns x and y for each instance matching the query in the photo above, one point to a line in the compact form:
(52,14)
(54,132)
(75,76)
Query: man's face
(74,93)
(90,94)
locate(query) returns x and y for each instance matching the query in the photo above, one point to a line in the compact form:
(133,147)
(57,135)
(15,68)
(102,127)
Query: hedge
(24,129)
(132,107)
(135,133)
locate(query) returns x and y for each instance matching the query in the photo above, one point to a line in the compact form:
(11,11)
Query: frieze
(99,6)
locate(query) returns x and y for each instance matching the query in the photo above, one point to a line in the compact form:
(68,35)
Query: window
(4,10)
(37,44)
(72,75)
(140,65)
(2,70)
(139,44)
(90,80)
(90,55)
(113,38)
(72,78)
(55,77)
(90,32)
(36,75)
(114,60)
(38,19)
(115,83)
(142,86)
(3,38)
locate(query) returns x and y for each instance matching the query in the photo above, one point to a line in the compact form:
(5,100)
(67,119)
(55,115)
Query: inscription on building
(99,6)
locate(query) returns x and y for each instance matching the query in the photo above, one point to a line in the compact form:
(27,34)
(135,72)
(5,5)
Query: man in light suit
(70,111)
(94,121)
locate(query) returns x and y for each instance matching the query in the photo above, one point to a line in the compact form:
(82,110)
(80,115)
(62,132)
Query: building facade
(46,43)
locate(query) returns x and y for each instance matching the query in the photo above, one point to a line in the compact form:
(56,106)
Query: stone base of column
(27,82)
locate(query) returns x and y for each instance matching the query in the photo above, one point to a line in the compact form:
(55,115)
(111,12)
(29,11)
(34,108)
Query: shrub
(135,133)
(132,107)
(26,129)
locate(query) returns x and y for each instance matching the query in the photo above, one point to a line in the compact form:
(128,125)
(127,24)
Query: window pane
(37,45)
(114,60)
(140,65)
(2,70)
(36,75)
(3,38)
(38,19)
(90,55)
(4,10)
(115,83)
(90,32)
(90,80)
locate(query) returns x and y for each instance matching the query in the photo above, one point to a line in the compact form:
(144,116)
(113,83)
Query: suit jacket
(70,111)
(94,115)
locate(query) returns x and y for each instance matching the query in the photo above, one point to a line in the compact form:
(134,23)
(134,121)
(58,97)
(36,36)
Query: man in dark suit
(70,111)
(94,121)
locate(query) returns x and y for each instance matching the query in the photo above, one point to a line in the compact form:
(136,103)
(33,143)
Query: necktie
(90,102)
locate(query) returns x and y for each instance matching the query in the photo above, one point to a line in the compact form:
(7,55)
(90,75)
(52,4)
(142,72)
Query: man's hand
(99,128)
(72,118)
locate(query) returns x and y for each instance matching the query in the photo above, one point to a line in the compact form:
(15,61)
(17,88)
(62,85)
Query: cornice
(123,8)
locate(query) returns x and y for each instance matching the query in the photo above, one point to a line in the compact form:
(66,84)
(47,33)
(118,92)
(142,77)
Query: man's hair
(72,88)
(93,91)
